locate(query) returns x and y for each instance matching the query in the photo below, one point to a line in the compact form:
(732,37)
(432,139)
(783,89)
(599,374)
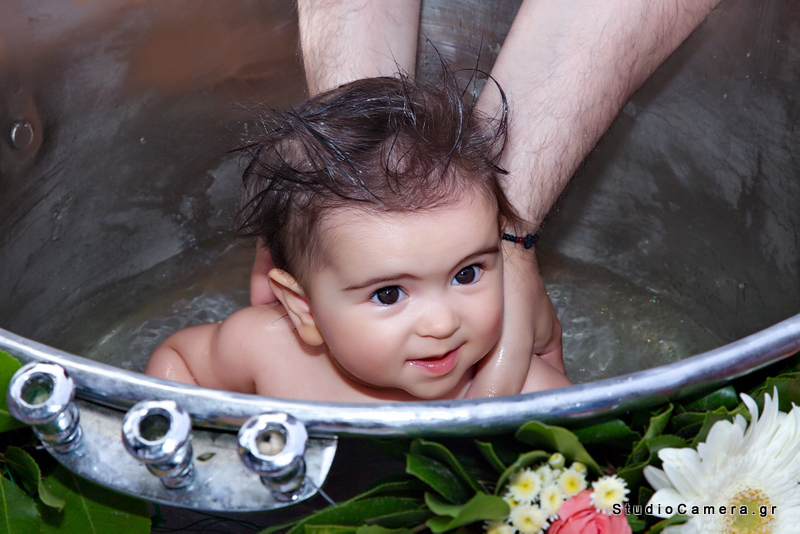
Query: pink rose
(578,516)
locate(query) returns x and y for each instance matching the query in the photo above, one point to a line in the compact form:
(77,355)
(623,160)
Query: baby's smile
(440,365)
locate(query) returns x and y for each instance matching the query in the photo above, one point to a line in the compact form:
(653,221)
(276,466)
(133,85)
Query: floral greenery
(457,484)
(37,495)
(451,485)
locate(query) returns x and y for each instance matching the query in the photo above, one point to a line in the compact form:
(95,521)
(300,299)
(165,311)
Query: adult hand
(566,69)
(530,330)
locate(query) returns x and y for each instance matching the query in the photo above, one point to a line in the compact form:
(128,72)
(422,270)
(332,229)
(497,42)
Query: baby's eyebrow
(379,280)
(493,249)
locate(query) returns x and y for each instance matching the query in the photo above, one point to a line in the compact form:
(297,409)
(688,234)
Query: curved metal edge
(121,389)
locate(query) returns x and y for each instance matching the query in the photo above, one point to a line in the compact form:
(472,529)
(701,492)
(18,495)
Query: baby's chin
(441,392)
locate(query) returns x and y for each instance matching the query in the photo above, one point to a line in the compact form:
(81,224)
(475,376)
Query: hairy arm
(567,67)
(346,40)
(342,41)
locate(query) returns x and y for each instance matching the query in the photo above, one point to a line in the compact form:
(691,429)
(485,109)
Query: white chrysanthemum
(608,492)
(557,460)
(499,528)
(525,485)
(755,468)
(579,467)
(510,500)
(547,474)
(550,499)
(571,482)
(528,519)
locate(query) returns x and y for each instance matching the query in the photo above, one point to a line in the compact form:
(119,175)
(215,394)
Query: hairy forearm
(567,67)
(345,40)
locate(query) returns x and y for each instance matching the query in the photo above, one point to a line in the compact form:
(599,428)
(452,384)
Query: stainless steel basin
(673,258)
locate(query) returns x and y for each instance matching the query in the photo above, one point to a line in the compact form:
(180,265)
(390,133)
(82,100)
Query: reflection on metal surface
(117,190)
(40,394)
(272,445)
(157,434)
(221,482)
(21,135)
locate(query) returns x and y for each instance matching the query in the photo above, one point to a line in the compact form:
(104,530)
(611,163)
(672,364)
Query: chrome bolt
(21,135)
(272,445)
(157,434)
(40,394)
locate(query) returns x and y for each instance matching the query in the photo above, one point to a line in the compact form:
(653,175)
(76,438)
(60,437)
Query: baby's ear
(289,292)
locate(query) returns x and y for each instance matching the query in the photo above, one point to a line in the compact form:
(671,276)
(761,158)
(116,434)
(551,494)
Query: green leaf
(8,366)
(18,514)
(329,529)
(364,529)
(709,418)
(788,386)
(636,524)
(487,451)
(656,426)
(633,474)
(91,508)
(439,477)
(377,529)
(674,520)
(439,452)
(481,507)
(355,513)
(529,459)
(559,439)
(399,488)
(687,424)
(614,432)
(27,471)
(723,397)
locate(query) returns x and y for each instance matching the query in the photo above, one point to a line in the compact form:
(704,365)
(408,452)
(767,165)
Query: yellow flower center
(751,512)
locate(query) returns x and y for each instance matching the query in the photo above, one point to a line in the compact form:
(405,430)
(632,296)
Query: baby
(382,209)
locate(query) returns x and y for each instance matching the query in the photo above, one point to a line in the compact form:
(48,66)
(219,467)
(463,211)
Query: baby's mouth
(438,364)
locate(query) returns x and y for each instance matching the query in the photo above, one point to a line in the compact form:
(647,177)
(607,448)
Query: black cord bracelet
(528,241)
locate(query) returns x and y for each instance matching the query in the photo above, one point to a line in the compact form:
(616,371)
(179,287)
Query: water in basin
(611,327)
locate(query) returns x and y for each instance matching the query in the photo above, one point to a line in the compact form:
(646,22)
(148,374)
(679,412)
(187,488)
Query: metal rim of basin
(121,389)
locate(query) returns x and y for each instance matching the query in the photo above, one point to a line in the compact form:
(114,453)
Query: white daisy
(579,467)
(752,470)
(547,474)
(499,528)
(525,485)
(571,482)
(528,519)
(556,460)
(550,499)
(510,500)
(609,491)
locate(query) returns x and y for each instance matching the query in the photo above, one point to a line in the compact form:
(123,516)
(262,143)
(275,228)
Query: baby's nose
(439,320)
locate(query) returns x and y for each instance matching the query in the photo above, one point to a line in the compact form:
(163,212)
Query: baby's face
(411,300)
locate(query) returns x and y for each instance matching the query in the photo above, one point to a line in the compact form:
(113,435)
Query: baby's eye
(388,295)
(467,275)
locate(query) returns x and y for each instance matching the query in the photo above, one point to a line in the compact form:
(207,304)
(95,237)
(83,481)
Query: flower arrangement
(726,462)
(555,498)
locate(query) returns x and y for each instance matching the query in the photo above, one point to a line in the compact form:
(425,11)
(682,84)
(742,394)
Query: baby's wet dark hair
(386,144)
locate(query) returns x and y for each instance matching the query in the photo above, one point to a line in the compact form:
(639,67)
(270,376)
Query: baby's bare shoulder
(248,343)
(270,320)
